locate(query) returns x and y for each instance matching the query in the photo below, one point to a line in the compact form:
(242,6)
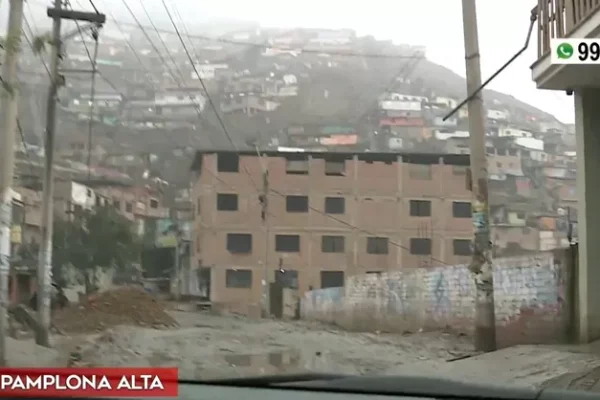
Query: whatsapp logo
(564,51)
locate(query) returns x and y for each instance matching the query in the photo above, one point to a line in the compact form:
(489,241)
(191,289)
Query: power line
(208,97)
(135,53)
(93,61)
(30,13)
(164,62)
(406,70)
(25,147)
(89,55)
(164,44)
(27,153)
(226,132)
(92,92)
(263,198)
(92,105)
(30,43)
(193,63)
(94,7)
(185,30)
(179,82)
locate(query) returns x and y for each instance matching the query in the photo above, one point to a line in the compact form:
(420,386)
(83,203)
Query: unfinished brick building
(329,215)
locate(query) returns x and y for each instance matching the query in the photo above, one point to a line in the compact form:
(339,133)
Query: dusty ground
(214,346)
(207,346)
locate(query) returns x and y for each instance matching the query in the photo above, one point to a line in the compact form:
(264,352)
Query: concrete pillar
(587,124)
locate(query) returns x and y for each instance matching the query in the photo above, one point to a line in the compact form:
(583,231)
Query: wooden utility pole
(481,264)
(9,98)
(44,273)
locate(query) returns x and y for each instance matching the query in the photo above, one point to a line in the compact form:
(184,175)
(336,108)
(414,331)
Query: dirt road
(213,346)
(208,346)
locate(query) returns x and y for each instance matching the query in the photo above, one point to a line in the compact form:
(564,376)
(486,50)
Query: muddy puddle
(268,363)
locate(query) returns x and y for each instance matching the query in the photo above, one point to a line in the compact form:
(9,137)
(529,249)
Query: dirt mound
(123,306)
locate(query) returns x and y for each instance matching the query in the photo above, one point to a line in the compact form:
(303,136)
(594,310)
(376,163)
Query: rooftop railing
(558,18)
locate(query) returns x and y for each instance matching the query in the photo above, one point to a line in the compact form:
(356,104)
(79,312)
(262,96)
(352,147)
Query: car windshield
(258,188)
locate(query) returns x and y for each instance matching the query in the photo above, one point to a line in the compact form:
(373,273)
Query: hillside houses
(306,89)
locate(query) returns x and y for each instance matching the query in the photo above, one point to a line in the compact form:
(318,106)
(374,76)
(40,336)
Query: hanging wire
(92,103)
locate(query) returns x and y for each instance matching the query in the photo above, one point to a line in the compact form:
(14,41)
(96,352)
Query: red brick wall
(377,198)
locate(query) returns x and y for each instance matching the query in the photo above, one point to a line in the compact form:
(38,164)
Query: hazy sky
(436,24)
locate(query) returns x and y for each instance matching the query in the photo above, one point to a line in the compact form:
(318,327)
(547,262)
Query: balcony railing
(558,18)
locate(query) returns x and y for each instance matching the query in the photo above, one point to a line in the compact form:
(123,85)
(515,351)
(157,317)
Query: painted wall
(530,296)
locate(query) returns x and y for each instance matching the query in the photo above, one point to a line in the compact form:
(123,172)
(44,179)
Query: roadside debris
(122,306)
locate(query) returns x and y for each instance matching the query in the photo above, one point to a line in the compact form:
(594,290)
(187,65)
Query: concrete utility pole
(177,262)
(9,98)
(264,215)
(44,273)
(481,265)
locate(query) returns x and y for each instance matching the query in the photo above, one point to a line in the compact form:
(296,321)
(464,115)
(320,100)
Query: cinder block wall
(532,304)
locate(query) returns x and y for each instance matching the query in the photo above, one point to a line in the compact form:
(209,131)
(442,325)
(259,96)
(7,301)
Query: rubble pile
(122,306)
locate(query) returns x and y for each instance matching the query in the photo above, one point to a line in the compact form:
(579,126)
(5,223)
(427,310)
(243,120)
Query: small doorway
(204,282)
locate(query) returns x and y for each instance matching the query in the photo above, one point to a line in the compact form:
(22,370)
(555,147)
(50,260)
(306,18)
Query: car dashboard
(338,387)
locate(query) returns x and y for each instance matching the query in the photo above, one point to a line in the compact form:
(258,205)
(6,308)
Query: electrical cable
(219,118)
(187,33)
(168,138)
(167,48)
(132,49)
(27,153)
(92,95)
(93,61)
(404,72)
(89,55)
(191,95)
(94,7)
(227,133)
(30,43)
(210,100)
(162,41)
(19,126)
(92,105)
(532,20)
(25,147)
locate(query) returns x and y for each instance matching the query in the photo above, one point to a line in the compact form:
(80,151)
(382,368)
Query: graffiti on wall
(444,296)
(392,294)
(401,295)
(323,300)
(527,283)
(447,288)
(441,293)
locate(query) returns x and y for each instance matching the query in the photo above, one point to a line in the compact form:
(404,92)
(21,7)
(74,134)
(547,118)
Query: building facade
(558,19)
(328,216)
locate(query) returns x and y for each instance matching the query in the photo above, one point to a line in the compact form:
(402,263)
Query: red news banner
(88,382)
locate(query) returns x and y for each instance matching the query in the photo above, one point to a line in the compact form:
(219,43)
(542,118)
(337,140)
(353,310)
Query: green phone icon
(564,51)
